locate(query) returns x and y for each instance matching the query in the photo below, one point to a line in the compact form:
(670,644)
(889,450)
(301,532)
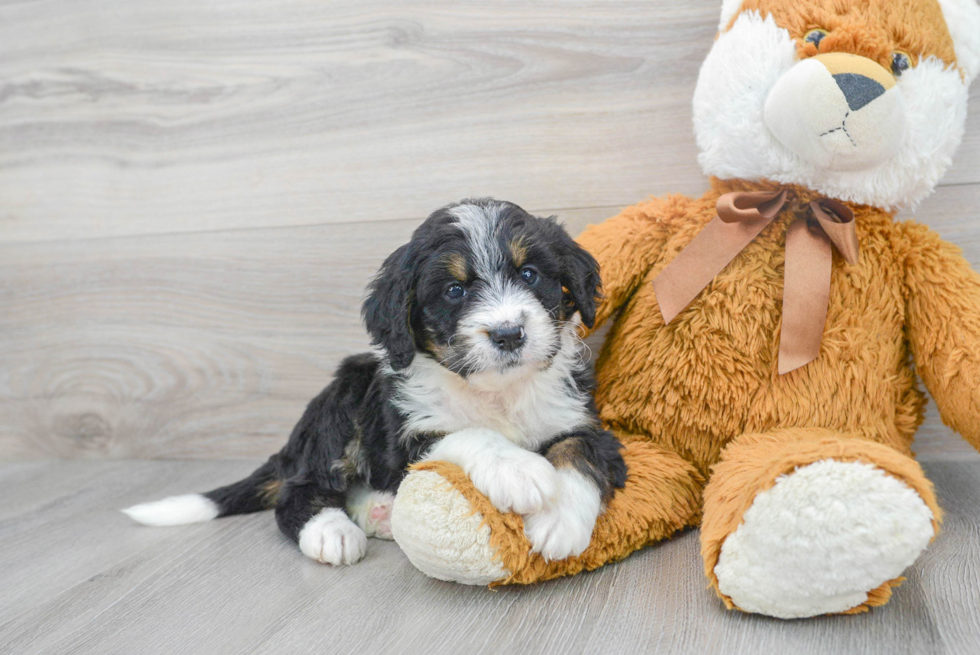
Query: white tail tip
(176,510)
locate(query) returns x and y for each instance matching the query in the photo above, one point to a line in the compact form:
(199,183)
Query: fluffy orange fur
(870,28)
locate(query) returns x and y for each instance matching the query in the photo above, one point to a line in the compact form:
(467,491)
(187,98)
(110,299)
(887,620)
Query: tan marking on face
(456,265)
(518,251)
(870,28)
(436,349)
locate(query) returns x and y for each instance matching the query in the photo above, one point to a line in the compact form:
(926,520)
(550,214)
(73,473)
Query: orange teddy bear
(762,364)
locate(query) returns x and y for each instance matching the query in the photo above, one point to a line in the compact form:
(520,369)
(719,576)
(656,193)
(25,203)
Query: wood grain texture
(119,118)
(125,119)
(193,195)
(77,576)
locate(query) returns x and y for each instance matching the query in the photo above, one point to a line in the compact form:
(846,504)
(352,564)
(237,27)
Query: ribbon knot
(742,215)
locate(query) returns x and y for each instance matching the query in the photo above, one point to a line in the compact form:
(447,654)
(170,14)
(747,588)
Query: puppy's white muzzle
(506,327)
(838,111)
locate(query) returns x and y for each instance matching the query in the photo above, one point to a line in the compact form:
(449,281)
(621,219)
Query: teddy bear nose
(508,337)
(858,90)
(860,79)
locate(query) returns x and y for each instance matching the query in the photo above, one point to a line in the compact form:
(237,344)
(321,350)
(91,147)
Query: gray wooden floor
(76,576)
(192,197)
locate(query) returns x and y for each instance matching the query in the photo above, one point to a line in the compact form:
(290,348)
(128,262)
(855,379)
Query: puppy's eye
(900,62)
(815,36)
(455,291)
(529,275)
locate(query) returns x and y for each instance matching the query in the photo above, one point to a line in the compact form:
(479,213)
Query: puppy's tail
(255,493)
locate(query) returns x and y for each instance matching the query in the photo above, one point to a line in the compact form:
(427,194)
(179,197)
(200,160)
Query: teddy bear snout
(837,111)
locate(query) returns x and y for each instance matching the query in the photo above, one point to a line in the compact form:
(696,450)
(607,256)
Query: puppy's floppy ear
(580,275)
(388,307)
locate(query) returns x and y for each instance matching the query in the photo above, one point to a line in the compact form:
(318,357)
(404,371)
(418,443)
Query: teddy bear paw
(821,538)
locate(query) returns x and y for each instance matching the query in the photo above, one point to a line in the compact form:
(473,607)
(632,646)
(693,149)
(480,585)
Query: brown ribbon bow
(742,215)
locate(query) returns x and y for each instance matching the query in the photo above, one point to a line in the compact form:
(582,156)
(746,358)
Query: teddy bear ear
(963,21)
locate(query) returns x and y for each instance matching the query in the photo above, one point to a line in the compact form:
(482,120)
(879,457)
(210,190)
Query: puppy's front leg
(514,479)
(589,468)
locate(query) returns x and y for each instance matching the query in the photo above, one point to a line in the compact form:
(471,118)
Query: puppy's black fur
(354,432)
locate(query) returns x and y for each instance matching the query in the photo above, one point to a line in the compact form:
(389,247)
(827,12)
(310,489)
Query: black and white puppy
(478,363)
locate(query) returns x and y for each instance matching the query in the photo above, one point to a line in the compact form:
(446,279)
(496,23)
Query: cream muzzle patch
(838,111)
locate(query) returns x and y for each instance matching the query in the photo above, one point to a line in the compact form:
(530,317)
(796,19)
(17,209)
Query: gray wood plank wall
(193,195)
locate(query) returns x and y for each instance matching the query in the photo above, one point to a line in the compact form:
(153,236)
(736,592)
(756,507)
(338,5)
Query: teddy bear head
(861,100)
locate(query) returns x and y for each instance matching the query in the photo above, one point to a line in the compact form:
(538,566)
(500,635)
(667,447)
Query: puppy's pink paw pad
(380,517)
(371,510)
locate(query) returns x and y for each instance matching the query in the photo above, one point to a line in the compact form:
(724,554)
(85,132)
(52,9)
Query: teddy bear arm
(943,327)
(626,247)
(451,531)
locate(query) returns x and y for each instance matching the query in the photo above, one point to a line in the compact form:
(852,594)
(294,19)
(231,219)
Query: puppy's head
(482,286)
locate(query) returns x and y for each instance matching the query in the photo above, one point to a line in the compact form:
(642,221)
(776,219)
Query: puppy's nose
(858,90)
(507,337)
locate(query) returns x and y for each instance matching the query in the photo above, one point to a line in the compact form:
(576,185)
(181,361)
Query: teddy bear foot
(441,534)
(821,539)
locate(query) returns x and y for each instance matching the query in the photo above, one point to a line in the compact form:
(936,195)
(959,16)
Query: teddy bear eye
(815,36)
(900,62)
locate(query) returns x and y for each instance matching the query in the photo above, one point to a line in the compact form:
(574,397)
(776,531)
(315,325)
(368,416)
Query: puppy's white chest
(528,411)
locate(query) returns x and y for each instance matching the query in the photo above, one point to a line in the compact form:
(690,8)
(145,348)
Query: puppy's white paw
(558,533)
(331,537)
(564,529)
(516,481)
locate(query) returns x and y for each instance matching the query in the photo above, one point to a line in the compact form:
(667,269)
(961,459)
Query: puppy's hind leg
(371,509)
(315,519)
